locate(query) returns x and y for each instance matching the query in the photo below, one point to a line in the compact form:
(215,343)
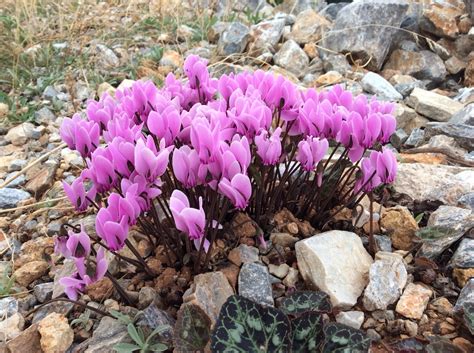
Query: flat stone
(292,58)
(466,201)
(107,335)
(17,165)
(440,18)
(11,197)
(154,317)
(400,226)
(26,341)
(11,327)
(413,301)
(43,179)
(408,119)
(368,41)
(283,239)
(352,319)
(44,116)
(433,105)
(63,308)
(8,306)
(462,275)
(254,284)
(209,291)
(453,222)
(336,263)
(56,334)
(309,27)
(376,84)
(464,255)
(464,116)
(234,39)
(454,65)
(243,254)
(416,138)
(291,278)
(387,278)
(337,63)
(30,272)
(22,133)
(466,296)
(265,36)
(107,58)
(43,291)
(462,133)
(279,271)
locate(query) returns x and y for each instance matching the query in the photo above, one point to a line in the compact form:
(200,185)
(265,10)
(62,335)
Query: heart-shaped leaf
(307,332)
(192,330)
(339,338)
(300,302)
(245,326)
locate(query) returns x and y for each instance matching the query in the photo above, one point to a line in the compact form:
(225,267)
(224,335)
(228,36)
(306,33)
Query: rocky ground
(410,296)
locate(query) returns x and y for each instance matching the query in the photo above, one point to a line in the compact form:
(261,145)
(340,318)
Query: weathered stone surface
(309,27)
(413,301)
(20,134)
(209,291)
(43,291)
(243,254)
(30,271)
(234,39)
(423,65)
(400,226)
(466,296)
(335,262)
(44,116)
(10,197)
(254,283)
(408,119)
(440,18)
(279,271)
(463,134)
(109,332)
(8,307)
(433,105)
(351,318)
(453,222)
(27,341)
(367,41)
(464,116)
(11,327)
(464,255)
(462,275)
(454,65)
(154,317)
(376,84)
(265,36)
(283,239)
(292,58)
(387,278)
(56,334)
(43,179)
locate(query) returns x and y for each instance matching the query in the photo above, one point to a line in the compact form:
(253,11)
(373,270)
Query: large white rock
(433,105)
(388,277)
(335,262)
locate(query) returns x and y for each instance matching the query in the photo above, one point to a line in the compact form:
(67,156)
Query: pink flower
(269,149)
(185,164)
(77,194)
(369,180)
(102,169)
(385,163)
(238,190)
(166,124)
(80,135)
(149,164)
(74,245)
(191,221)
(310,152)
(112,230)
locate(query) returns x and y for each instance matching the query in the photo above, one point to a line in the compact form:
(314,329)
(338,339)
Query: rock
(416,138)
(469,74)
(309,27)
(400,226)
(413,301)
(465,345)
(329,78)
(376,84)
(56,334)
(454,65)
(17,165)
(411,328)
(234,39)
(105,87)
(106,57)
(254,284)
(8,306)
(408,119)
(291,278)
(383,242)
(44,116)
(368,41)
(332,9)
(63,308)
(30,271)
(146,296)
(107,335)
(398,138)
(279,271)
(215,31)
(453,222)
(462,275)
(22,133)
(100,290)
(154,317)
(423,65)
(335,262)
(243,254)
(352,319)
(463,134)
(244,226)
(283,239)
(209,291)
(4,110)
(337,63)
(464,255)
(27,341)
(440,18)
(466,201)
(466,296)
(20,180)
(43,179)
(433,105)
(464,116)
(50,93)
(43,291)
(387,278)
(442,306)
(292,58)
(265,36)
(11,327)
(172,59)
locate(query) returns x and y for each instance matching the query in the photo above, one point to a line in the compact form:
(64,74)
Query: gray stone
(464,255)
(107,58)
(433,105)
(292,58)
(453,222)
(387,278)
(146,296)
(466,296)
(43,291)
(376,84)
(18,181)
(265,36)
(467,200)
(50,92)
(55,307)
(336,62)
(22,133)
(11,327)
(353,319)
(44,116)
(309,27)
(464,116)
(335,262)
(331,10)
(405,89)
(243,254)
(17,165)
(11,197)
(107,335)
(463,134)
(214,33)
(367,41)
(8,307)
(154,317)
(234,39)
(398,138)
(416,138)
(384,243)
(254,283)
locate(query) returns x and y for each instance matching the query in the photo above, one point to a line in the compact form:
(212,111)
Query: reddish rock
(400,226)
(100,290)
(413,301)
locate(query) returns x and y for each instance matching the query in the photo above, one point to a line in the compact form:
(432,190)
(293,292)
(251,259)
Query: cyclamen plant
(177,162)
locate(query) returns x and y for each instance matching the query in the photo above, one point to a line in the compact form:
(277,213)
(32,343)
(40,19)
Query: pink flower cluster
(194,146)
